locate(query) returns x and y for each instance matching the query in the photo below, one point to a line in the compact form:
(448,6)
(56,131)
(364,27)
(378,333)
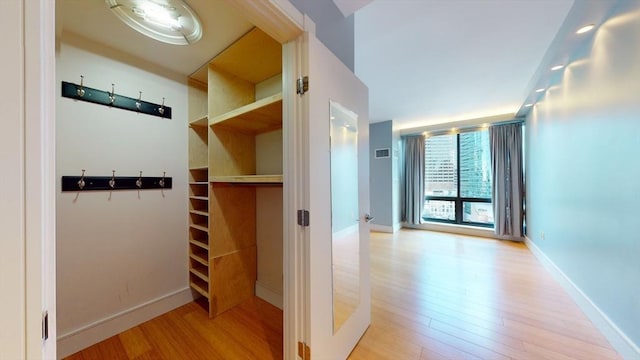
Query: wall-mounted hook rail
(110,98)
(97,183)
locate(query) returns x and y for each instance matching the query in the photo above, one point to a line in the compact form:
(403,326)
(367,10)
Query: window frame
(457,200)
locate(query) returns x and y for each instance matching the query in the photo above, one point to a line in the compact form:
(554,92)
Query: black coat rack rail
(83,93)
(112,183)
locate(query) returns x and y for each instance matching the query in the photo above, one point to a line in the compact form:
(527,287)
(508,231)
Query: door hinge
(303,217)
(302,85)
(304,351)
(45,325)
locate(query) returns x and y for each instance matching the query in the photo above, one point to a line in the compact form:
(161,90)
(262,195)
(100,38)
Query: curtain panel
(506,164)
(412,197)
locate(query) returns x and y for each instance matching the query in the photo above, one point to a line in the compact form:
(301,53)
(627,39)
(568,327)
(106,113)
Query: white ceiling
(424,61)
(434,61)
(92,19)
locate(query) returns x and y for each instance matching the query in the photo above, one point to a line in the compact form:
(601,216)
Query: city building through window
(458,179)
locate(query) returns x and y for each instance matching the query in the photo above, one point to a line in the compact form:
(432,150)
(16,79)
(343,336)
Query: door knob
(368,217)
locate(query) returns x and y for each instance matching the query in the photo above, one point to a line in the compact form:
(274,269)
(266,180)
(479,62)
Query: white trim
(80,338)
(618,339)
(39,170)
(268,295)
(381,228)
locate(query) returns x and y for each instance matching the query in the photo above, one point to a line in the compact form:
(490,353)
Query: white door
(335,273)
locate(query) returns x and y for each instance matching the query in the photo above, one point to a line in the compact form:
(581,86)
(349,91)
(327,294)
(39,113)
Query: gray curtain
(506,164)
(413,179)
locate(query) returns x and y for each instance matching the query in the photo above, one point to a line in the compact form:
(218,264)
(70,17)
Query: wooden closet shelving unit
(229,157)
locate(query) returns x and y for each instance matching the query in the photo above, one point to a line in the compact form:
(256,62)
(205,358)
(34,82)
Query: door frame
(36,103)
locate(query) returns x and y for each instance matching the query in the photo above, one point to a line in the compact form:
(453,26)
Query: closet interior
(235,174)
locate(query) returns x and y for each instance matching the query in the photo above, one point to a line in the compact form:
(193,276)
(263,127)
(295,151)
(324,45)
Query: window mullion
(458,202)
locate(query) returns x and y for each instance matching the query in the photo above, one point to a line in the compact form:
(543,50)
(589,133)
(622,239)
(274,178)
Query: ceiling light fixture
(528,105)
(557,67)
(169,21)
(585,29)
(540,90)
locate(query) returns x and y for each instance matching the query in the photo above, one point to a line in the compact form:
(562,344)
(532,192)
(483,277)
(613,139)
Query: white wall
(121,256)
(582,174)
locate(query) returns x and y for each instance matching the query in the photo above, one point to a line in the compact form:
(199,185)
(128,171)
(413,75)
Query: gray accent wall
(583,172)
(381,174)
(332,28)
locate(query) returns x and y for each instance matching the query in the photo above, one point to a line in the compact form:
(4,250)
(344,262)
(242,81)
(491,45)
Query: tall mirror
(344,213)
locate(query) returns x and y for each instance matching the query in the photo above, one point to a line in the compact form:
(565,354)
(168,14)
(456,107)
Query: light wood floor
(434,296)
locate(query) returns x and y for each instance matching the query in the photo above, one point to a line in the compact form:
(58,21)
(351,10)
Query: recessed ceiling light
(169,21)
(557,67)
(540,90)
(585,29)
(528,105)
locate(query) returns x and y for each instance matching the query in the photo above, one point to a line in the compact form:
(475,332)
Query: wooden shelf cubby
(235,150)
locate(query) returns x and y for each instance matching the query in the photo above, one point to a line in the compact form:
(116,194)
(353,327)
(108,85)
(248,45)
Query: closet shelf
(200,272)
(247,179)
(199,212)
(261,116)
(200,290)
(203,167)
(200,122)
(199,258)
(199,227)
(199,244)
(203,198)
(198,183)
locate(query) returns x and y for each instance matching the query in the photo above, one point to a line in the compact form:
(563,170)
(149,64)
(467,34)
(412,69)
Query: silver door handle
(368,217)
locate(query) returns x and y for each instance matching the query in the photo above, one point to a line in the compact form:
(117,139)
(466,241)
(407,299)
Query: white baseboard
(385,228)
(269,295)
(618,339)
(85,336)
(381,228)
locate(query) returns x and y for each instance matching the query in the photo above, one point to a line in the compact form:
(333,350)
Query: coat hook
(161,109)
(112,95)
(80,90)
(139,181)
(161,182)
(112,182)
(138,103)
(81,182)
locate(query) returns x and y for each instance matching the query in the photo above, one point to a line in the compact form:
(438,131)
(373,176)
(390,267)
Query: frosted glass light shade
(169,21)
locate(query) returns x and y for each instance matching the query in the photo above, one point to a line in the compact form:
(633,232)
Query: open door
(335,137)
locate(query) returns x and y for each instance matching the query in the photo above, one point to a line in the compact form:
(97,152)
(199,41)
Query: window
(458,179)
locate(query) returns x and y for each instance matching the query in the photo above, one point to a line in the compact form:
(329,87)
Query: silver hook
(112,96)
(112,182)
(161,182)
(81,182)
(80,90)
(138,103)
(161,109)
(139,181)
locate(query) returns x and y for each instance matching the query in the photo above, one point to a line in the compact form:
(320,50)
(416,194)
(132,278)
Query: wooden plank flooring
(434,296)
